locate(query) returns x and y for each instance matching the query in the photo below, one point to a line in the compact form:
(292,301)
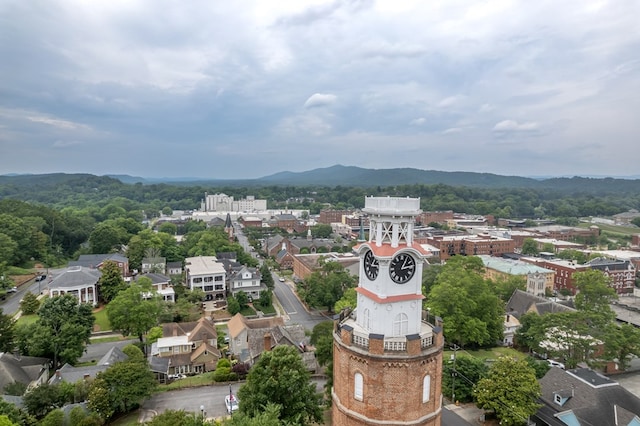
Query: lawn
(102,322)
(489,355)
(27,319)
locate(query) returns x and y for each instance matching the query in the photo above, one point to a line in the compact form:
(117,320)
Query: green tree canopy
(510,390)
(326,286)
(272,379)
(121,388)
(530,247)
(61,331)
(110,282)
(462,378)
(135,310)
(471,311)
(6,332)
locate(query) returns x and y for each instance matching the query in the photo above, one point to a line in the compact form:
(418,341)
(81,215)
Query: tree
(594,295)
(471,312)
(272,379)
(529,247)
(61,332)
(42,399)
(267,278)
(321,230)
(322,339)
(107,237)
(243,299)
(349,299)
(110,282)
(504,287)
(29,304)
(6,332)
(326,286)
(462,379)
(270,416)
(131,312)
(15,414)
(53,418)
(178,418)
(124,385)
(510,390)
(622,343)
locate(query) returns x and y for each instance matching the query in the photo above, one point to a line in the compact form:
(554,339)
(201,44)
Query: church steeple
(228,226)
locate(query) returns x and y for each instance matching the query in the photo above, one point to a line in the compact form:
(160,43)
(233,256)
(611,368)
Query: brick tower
(387,360)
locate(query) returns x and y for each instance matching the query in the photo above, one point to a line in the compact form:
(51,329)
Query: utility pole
(453,374)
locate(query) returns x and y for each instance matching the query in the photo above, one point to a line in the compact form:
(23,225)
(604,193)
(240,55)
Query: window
(208,288)
(218,278)
(358,384)
(401,325)
(208,279)
(426,388)
(366,320)
(197,280)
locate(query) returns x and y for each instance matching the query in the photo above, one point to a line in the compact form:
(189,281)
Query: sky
(244,89)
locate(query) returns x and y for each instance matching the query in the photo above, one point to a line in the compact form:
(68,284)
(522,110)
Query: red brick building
(470,245)
(563,269)
(328,217)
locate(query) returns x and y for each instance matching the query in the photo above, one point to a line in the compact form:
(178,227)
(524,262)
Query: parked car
(177,376)
(553,363)
(281,279)
(231,402)
(13,289)
(40,277)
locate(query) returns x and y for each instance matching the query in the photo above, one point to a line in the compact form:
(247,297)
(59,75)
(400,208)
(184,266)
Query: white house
(79,281)
(207,274)
(247,280)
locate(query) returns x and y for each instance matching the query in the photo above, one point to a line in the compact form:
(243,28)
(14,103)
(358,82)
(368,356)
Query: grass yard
(102,322)
(487,354)
(189,382)
(27,319)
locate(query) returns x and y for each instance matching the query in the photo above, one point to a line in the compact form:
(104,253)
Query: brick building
(563,269)
(470,245)
(328,217)
(622,274)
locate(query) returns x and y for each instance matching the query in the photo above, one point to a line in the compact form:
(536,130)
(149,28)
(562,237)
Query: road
(12,303)
(211,398)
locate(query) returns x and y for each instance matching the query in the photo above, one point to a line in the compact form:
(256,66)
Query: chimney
(267,341)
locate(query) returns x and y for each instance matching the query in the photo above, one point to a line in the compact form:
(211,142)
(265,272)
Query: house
(78,281)
(191,347)
(207,274)
(248,280)
(29,370)
(95,261)
(249,338)
(157,265)
(306,264)
(521,303)
(511,325)
(162,286)
(70,374)
(584,397)
(174,268)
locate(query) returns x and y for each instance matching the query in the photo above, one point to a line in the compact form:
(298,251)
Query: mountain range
(351,176)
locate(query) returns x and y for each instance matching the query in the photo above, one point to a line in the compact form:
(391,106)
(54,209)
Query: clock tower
(387,359)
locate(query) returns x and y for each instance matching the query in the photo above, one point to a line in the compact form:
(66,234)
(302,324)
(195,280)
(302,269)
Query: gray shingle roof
(93,260)
(522,302)
(593,399)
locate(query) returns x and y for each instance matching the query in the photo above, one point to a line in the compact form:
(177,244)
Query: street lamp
(202,411)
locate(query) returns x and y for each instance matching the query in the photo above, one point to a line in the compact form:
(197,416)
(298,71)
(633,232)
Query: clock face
(402,268)
(371,266)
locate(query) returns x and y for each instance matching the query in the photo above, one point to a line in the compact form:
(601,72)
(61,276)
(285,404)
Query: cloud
(452,130)
(66,144)
(320,100)
(418,121)
(514,126)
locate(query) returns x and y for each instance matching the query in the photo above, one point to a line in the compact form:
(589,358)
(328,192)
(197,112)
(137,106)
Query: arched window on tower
(358,385)
(426,388)
(366,319)
(401,324)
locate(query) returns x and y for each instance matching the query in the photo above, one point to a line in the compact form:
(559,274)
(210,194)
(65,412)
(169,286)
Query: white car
(177,376)
(231,402)
(281,279)
(553,363)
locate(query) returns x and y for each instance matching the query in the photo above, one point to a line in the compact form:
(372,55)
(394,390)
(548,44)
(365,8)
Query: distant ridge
(352,176)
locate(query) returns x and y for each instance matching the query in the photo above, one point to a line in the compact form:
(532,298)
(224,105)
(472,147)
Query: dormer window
(557,399)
